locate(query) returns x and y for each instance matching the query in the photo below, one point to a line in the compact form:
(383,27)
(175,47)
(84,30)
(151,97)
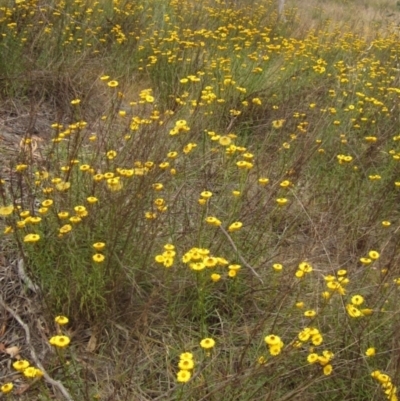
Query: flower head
(99,246)
(373,255)
(272,339)
(32,372)
(183,376)
(61,320)
(186,364)
(20,365)
(98,258)
(186,356)
(59,341)
(207,343)
(237,225)
(281,201)
(32,238)
(6,210)
(6,388)
(215,277)
(357,300)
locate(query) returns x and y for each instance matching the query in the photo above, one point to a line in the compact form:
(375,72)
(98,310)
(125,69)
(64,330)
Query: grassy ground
(208,193)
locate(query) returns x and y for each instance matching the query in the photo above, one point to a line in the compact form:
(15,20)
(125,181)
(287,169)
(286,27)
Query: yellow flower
(262,360)
(207,343)
(281,201)
(99,246)
(370,351)
(81,211)
(59,341)
(232,273)
(197,266)
(186,364)
(111,154)
(353,311)
(75,101)
(6,388)
(159,258)
(367,312)
(84,167)
(312,358)
(237,225)
(213,221)
(365,261)
(215,277)
(210,261)
(6,210)
(98,258)
(21,167)
(32,372)
(278,123)
(305,267)
(277,267)
(373,255)
(317,339)
(386,223)
(206,194)
(272,340)
(32,238)
(92,199)
(65,229)
(186,355)
(263,181)
(183,376)
(61,320)
(8,230)
(327,370)
(114,184)
(244,164)
(275,350)
(224,140)
(47,202)
(310,313)
(21,365)
(98,177)
(357,300)
(35,220)
(112,84)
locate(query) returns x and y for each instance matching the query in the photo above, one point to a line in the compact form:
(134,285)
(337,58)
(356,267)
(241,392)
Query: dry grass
(131,317)
(367,17)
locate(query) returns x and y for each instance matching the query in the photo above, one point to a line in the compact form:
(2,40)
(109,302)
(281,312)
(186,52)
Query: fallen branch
(34,357)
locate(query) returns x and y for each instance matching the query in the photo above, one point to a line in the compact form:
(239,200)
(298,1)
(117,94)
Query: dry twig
(34,357)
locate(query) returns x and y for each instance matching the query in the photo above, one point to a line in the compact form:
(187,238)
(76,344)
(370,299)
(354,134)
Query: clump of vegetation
(215,201)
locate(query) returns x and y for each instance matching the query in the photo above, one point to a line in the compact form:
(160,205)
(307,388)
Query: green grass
(150,104)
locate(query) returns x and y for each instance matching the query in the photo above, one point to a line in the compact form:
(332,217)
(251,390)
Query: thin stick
(239,255)
(46,376)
